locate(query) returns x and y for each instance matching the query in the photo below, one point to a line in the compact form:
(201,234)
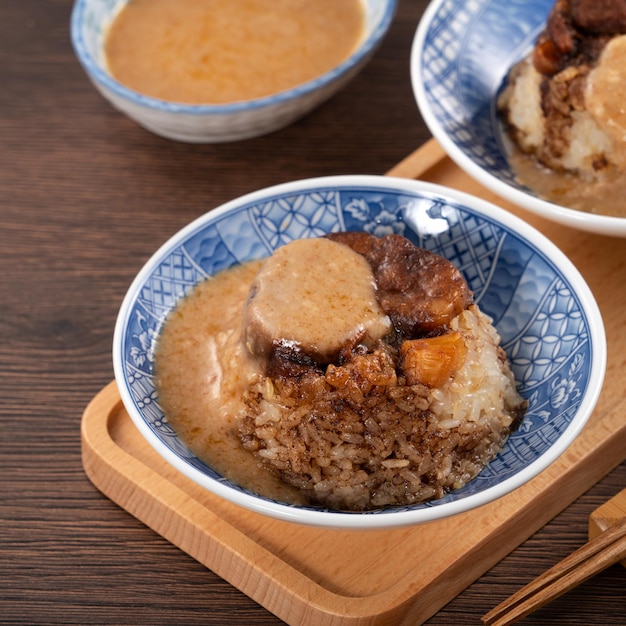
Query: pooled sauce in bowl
(222,51)
(600,197)
(202,372)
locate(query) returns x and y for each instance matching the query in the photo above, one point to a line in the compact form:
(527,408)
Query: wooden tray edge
(608,513)
(212,541)
(281,588)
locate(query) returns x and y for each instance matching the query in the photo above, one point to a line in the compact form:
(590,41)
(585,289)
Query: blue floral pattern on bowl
(466,54)
(542,320)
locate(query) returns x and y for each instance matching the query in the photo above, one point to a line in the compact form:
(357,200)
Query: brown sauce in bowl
(202,369)
(222,51)
(600,197)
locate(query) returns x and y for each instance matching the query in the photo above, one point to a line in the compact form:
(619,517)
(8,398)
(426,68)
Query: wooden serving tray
(610,512)
(310,576)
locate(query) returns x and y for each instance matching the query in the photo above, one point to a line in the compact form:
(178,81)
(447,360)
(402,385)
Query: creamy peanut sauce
(220,51)
(202,369)
(204,361)
(603,197)
(605,94)
(341,305)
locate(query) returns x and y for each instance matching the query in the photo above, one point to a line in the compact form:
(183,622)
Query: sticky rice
(359,437)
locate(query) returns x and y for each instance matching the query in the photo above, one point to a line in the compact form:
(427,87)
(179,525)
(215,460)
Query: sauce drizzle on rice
(392,419)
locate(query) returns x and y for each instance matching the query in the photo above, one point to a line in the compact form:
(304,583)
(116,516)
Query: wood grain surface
(86,196)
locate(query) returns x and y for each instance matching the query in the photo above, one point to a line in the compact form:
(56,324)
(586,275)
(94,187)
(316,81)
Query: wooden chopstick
(606,549)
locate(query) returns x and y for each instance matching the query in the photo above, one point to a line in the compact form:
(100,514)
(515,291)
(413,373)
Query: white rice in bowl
(358,437)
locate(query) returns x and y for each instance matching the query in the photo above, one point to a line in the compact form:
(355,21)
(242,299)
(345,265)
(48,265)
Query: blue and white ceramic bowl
(215,123)
(550,325)
(462,53)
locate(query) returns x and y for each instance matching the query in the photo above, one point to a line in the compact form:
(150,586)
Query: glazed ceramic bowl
(461,55)
(215,123)
(550,325)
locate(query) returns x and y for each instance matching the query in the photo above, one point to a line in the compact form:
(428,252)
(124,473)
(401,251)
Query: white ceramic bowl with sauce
(461,54)
(550,325)
(221,122)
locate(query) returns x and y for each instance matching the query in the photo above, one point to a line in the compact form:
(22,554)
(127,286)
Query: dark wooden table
(85,197)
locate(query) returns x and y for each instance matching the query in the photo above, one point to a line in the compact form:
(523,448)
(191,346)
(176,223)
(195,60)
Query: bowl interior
(461,56)
(549,323)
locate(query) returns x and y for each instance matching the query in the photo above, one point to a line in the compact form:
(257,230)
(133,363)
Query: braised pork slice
(604,17)
(311,300)
(419,290)
(576,32)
